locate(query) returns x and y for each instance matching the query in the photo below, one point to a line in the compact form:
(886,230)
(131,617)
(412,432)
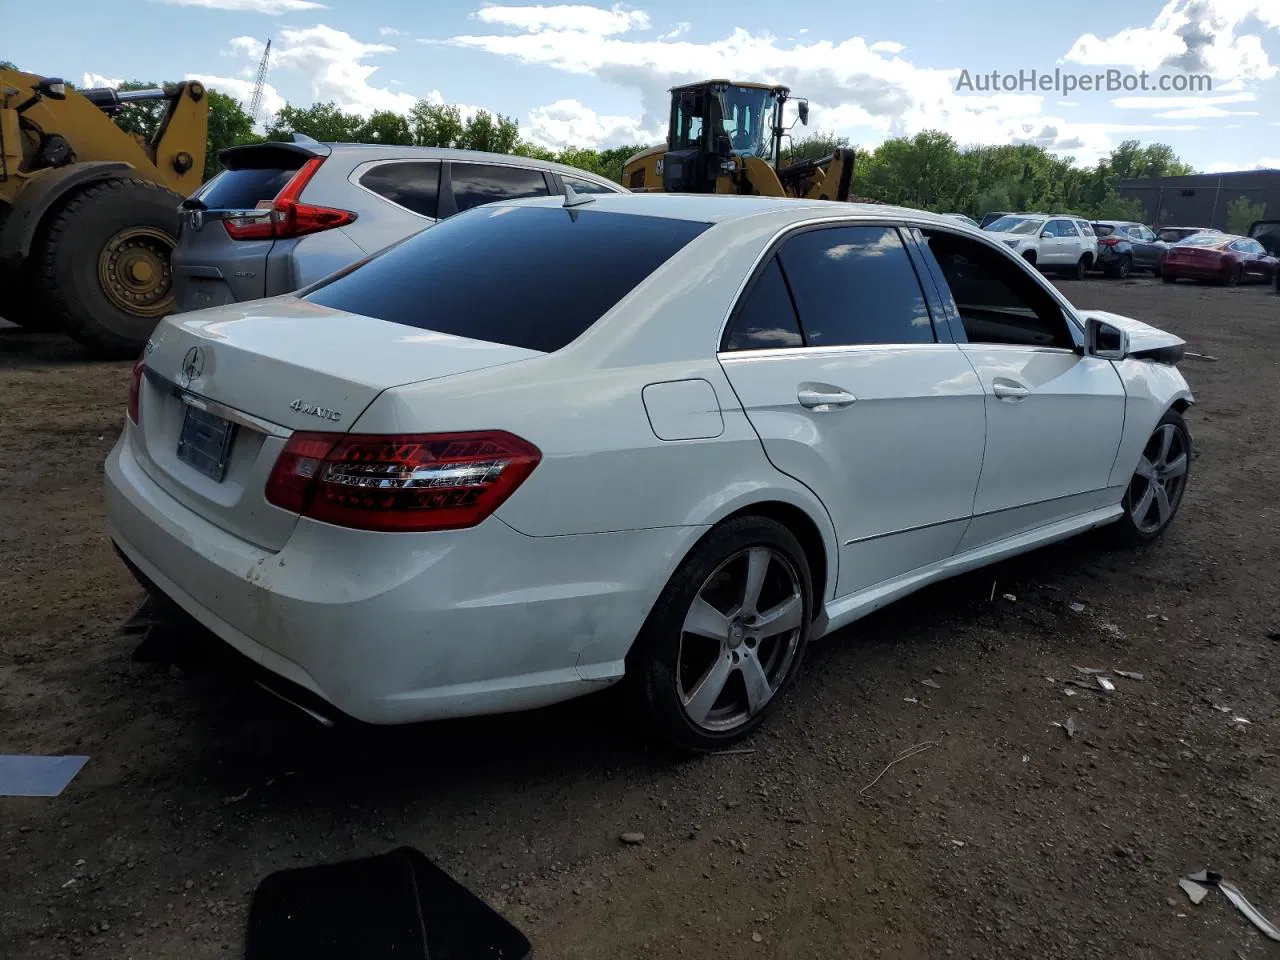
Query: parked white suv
(1059,244)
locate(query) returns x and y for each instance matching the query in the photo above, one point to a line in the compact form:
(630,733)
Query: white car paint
(1058,243)
(648,439)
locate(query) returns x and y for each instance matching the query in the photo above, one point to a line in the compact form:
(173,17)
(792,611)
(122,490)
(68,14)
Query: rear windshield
(532,277)
(1204,240)
(242,189)
(1104,229)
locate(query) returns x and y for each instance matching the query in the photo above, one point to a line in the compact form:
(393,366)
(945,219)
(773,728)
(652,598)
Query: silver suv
(282,215)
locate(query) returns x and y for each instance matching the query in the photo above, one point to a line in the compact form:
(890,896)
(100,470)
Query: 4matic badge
(311,410)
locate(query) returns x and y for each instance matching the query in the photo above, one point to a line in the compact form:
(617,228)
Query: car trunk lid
(225,388)
(210,266)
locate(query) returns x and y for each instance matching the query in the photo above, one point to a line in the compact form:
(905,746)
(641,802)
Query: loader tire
(105,264)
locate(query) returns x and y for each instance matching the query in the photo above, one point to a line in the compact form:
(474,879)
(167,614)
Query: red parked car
(1218,256)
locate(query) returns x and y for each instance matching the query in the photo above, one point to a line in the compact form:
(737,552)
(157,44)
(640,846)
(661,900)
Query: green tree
(435,124)
(489,132)
(815,146)
(8,65)
(385,126)
(1241,213)
(320,121)
(229,126)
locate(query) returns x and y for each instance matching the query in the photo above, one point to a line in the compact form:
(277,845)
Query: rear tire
(1081,268)
(22,301)
(696,686)
(105,264)
(1156,490)
(1123,268)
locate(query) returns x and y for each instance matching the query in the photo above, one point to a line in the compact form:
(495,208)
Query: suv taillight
(1108,241)
(284,216)
(418,482)
(135,386)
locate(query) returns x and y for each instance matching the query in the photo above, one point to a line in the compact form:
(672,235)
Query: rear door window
(412,184)
(244,189)
(767,317)
(475,184)
(560,271)
(585,186)
(855,285)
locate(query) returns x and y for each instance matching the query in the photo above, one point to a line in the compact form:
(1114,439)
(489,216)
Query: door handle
(823,398)
(1010,391)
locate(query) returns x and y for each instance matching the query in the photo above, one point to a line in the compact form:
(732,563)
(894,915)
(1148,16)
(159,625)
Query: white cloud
(1067,103)
(679,29)
(389,32)
(854,87)
(98,80)
(568,123)
(887,46)
(577,18)
(1265,163)
(272,7)
(1197,36)
(1202,113)
(1149,103)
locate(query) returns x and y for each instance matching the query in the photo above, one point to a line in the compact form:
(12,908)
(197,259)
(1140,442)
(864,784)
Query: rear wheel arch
(805,530)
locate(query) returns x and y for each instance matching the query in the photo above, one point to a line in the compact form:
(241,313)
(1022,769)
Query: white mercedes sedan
(552,444)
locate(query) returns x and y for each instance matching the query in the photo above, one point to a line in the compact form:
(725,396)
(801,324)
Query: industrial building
(1201,199)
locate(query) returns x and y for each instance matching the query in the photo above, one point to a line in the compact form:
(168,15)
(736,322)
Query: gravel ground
(1004,838)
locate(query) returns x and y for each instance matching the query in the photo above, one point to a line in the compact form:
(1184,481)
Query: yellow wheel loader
(726,137)
(88,212)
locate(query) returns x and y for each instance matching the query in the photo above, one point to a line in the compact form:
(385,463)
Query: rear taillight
(135,386)
(438,481)
(284,216)
(1108,241)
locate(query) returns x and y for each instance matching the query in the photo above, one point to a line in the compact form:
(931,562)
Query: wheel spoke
(706,621)
(704,696)
(1146,468)
(757,566)
(1163,507)
(782,618)
(1166,441)
(1175,467)
(757,684)
(1143,506)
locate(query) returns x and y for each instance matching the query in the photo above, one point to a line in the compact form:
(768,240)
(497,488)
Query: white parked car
(1055,244)
(548,443)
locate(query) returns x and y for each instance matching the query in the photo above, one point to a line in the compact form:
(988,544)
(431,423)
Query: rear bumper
(1196,271)
(396,628)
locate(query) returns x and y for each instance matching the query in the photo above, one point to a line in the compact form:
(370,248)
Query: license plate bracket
(204,443)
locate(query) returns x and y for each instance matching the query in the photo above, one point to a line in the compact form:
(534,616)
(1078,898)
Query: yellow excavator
(89,212)
(726,137)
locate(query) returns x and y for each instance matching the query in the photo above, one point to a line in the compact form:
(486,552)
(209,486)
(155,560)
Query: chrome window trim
(361,169)
(1074,323)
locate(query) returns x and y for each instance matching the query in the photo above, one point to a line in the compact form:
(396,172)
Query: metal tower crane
(255,104)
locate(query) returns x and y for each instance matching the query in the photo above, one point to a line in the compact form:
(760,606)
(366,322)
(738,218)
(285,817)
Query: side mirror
(52,88)
(804,112)
(1046,235)
(1104,341)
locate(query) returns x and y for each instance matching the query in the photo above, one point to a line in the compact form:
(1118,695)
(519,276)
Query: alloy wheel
(739,638)
(1159,482)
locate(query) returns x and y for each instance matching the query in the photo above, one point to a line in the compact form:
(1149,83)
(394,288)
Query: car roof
(377,151)
(722,208)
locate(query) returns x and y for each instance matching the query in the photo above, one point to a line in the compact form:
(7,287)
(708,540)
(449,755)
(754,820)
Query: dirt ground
(1005,838)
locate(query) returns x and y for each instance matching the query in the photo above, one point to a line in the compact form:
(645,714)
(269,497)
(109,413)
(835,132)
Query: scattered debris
(1221,709)
(1204,357)
(934,684)
(1076,607)
(736,752)
(1239,720)
(27,775)
(632,837)
(993,591)
(1026,757)
(1208,878)
(1129,675)
(1195,891)
(1157,616)
(1069,727)
(756,938)
(1089,671)
(958,843)
(1071,691)
(904,755)
(1010,597)
(1106,684)
(237,798)
(910,700)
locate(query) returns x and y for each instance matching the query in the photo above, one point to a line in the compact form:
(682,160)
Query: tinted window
(1085,229)
(855,285)
(767,317)
(559,271)
(414,185)
(475,184)
(1105,229)
(585,186)
(998,301)
(1063,228)
(242,189)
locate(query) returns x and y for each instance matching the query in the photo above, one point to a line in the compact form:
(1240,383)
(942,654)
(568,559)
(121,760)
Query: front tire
(1159,482)
(1081,268)
(726,637)
(1236,276)
(105,264)
(1123,268)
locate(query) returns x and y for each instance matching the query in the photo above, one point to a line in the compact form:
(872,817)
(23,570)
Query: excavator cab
(714,123)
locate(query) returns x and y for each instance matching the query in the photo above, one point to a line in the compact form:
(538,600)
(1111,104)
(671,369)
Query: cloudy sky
(597,74)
